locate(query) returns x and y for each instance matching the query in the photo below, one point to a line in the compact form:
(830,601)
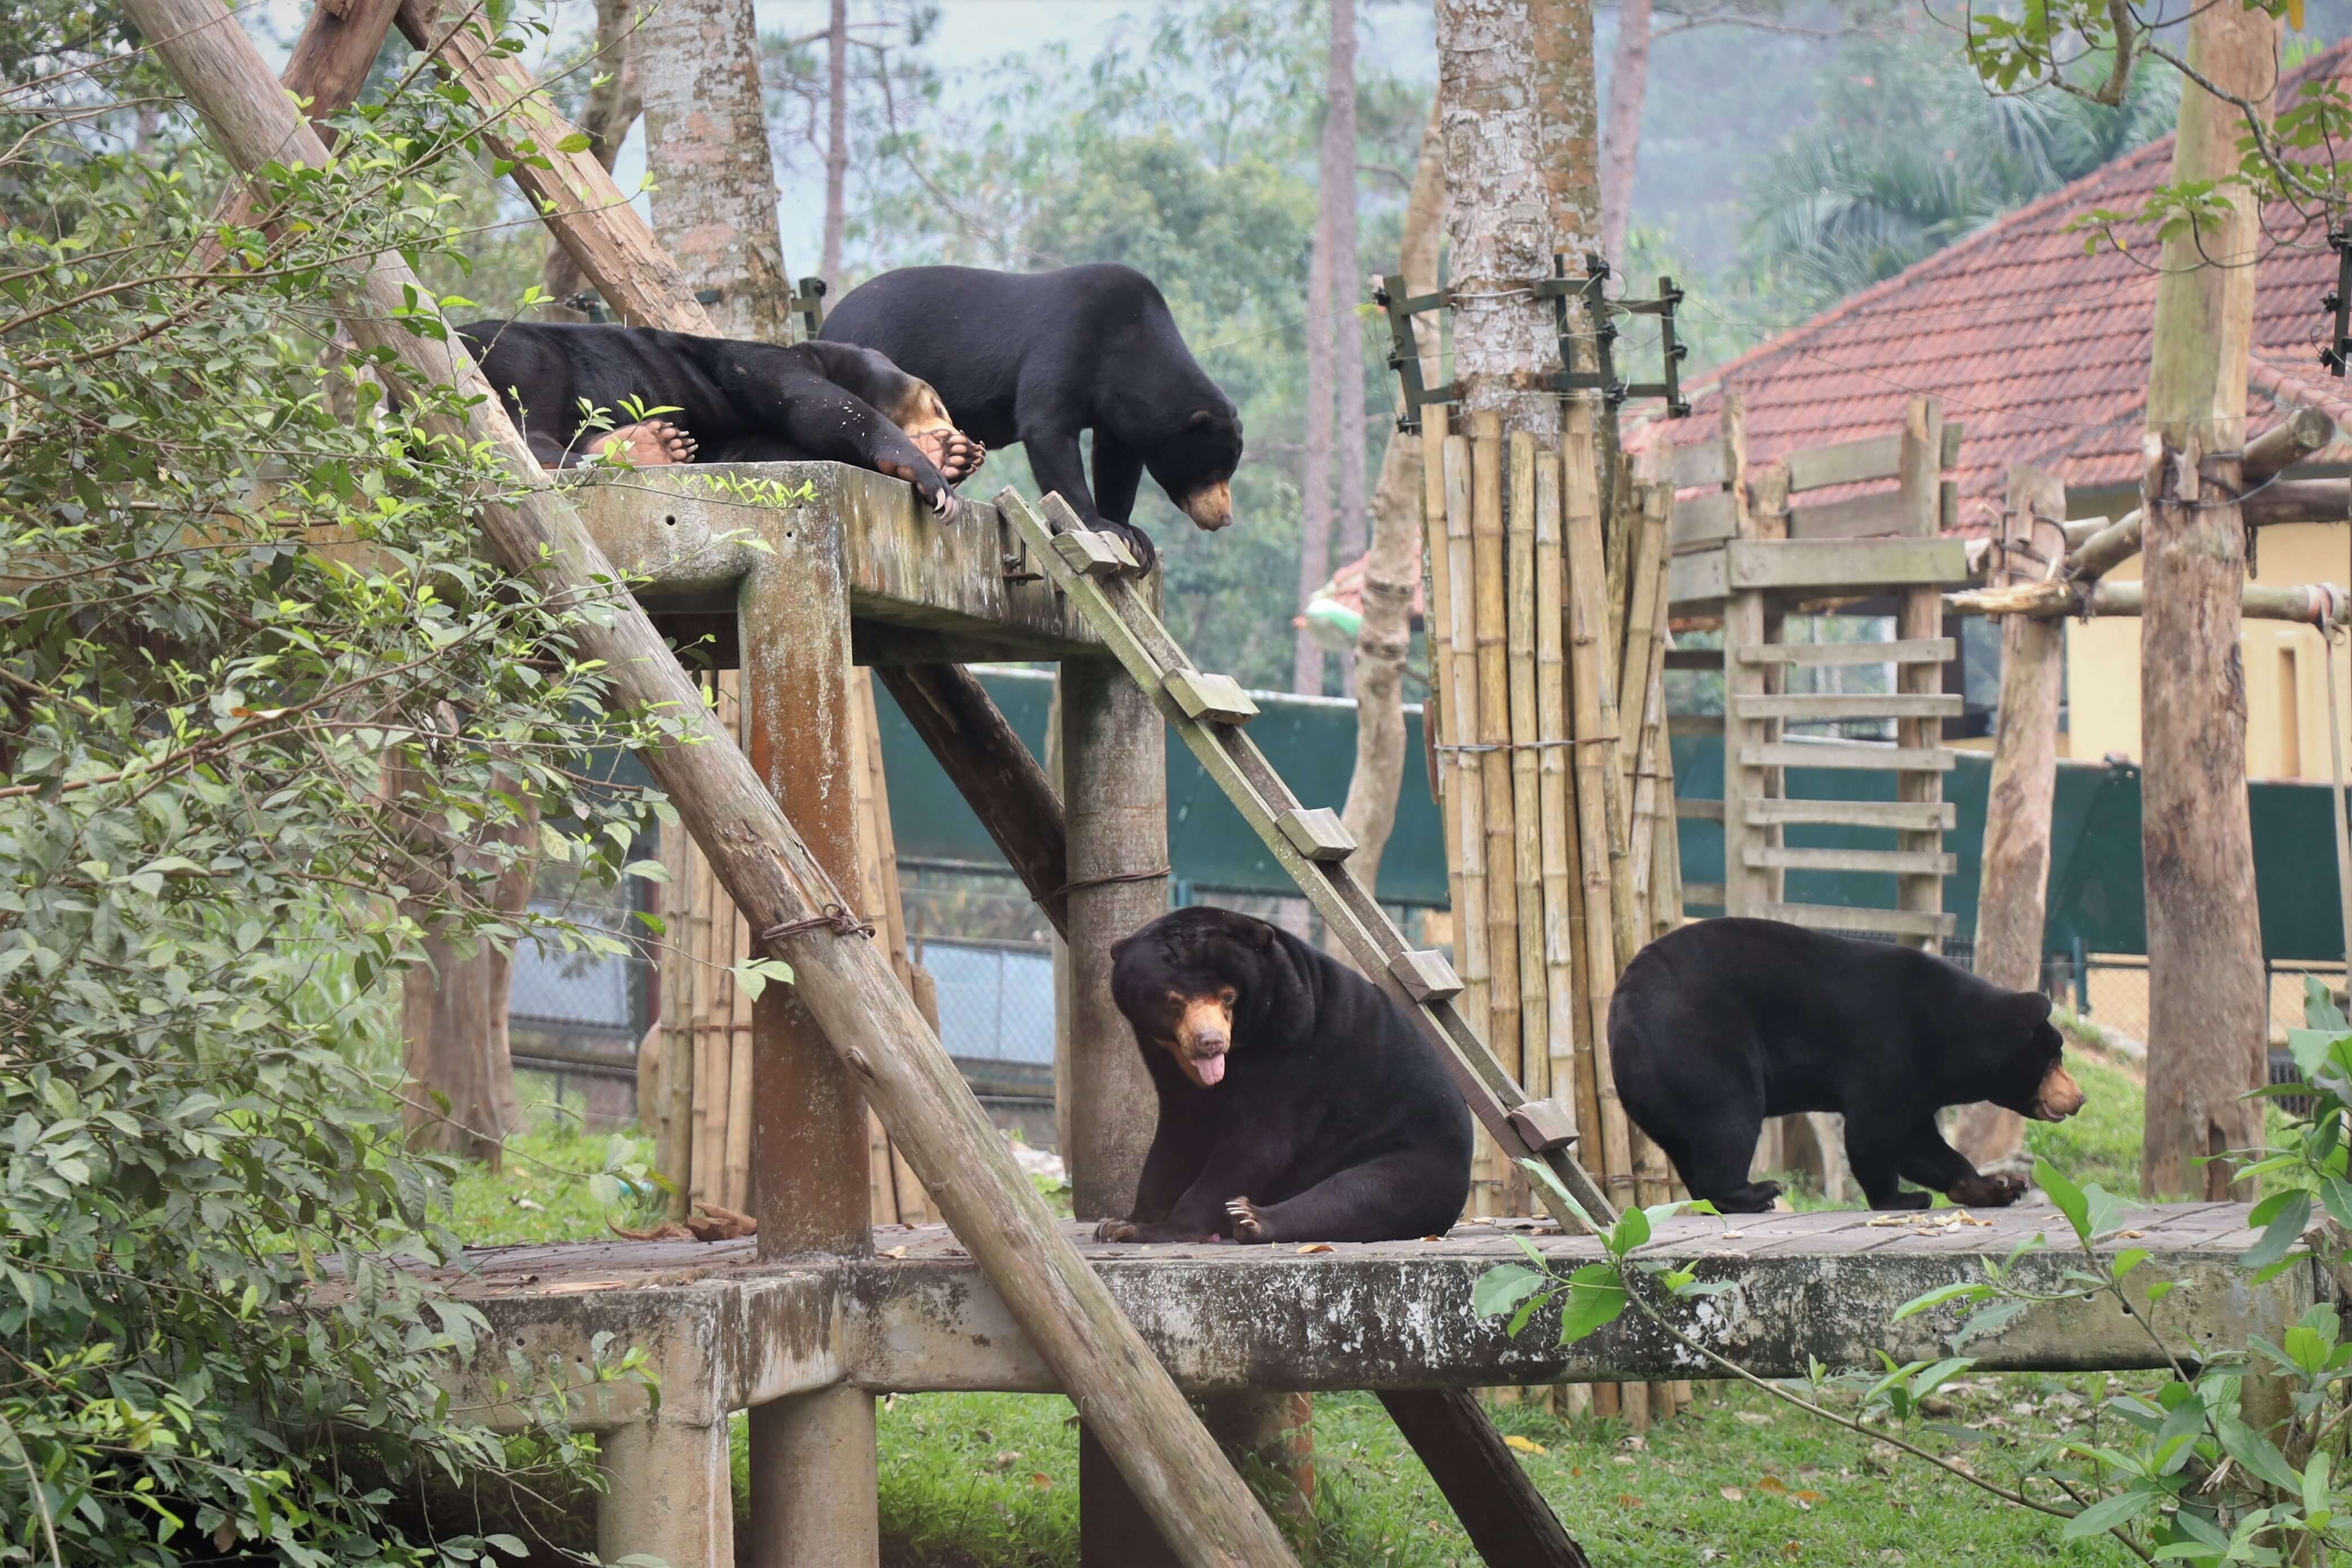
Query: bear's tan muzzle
(1211,506)
(1203,1034)
(2060,1096)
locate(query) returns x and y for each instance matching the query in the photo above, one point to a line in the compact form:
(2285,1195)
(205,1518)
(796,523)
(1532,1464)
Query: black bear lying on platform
(1297,1102)
(734,402)
(1723,1023)
(1039,357)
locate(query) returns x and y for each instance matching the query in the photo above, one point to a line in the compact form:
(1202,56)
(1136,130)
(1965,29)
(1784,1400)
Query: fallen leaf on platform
(1006,1459)
(1042,1481)
(669,1230)
(1733,1234)
(1732,1494)
(1317,1246)
(1523,1444)
(1807,1496)
(716,1222)
(1770,1484)
(893,1252)
(1433,1239)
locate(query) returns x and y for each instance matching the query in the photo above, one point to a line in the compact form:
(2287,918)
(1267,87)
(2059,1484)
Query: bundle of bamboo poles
(1547,630)
(700,1117)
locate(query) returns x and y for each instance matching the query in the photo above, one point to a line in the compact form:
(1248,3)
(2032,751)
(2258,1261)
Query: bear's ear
(1119,946)
(1202,419)
(1262,936)
(2033,1007)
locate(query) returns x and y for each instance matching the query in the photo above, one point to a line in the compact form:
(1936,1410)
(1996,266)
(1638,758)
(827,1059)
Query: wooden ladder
(1095,572)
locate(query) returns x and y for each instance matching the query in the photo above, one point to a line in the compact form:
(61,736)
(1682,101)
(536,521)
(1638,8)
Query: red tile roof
(2039,349)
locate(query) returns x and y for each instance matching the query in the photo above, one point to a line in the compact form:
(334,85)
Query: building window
(2290,715)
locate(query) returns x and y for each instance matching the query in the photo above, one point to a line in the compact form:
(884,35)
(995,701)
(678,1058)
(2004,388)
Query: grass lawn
(990,1480)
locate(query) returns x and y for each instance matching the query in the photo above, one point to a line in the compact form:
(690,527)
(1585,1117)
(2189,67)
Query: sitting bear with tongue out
(1296,1102)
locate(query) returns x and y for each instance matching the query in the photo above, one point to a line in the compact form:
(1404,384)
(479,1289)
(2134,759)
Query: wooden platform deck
(728,1331)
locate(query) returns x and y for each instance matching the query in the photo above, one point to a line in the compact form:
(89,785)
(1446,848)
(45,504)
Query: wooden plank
(1816,706)
(1702,578)
(1690,810)
(1708,893)
(1705,520)
(1846,463)
(1916,815)
(1897,862)
(1319,833)
(1922,616)
(1888,759)
(1213,699)
(1874,516)
(1852,565)
(1699,463)
(1927,650)
(1695,723)
(1878,922)
(1949,453)
(1707,658)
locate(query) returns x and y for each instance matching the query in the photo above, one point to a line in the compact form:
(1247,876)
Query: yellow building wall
(2286,686)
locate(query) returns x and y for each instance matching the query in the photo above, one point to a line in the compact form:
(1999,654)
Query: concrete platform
(726,1332)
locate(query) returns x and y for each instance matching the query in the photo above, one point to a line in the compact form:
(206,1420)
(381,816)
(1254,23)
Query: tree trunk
(2012,902)
(836,138)
(1500,221)
(1568,123)
(614,105)
(1336,235)
(1628,80)
(455,1047)
(1394,563)
(714,198)
(2208,1006)
(1315,464)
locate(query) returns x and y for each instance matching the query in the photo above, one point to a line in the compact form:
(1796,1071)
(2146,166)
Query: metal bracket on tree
(1404,354)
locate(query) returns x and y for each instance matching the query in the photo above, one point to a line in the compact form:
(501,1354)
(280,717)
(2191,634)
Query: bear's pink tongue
(1207,1070)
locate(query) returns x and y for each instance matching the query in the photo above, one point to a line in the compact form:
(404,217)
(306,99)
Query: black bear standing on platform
(1038,357)
(1297,1102)
(1723,1023)
(734,402)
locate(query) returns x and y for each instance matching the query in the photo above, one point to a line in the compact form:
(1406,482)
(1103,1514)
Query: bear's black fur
(741,402)
(1725,1022)
(1037,357)
(1297,1102)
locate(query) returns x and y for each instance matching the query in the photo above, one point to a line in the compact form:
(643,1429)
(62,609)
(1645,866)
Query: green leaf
(2290,1214)
(1967,1290)
(1527,1309)
(578,141)
(507,1545)
(1632,1229)
(2319,1008)
(1537,1171)
(1503,1286)
(2259,1456)
(2066,1194)
(1591,1306)
(2107,1513)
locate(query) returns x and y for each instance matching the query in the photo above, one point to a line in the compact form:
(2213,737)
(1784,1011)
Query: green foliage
(1911,152)
(241,777)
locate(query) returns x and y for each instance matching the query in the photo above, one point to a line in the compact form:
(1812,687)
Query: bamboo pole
(1193,1495)
(674,1150)
(1596,739)
(1465,781)
(1534,1070)
(1437,620)
(1555,812)
(1490,607)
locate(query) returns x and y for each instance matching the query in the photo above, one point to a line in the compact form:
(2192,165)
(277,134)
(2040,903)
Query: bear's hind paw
(1117,1230)
(1985,1191)
(1248,1224)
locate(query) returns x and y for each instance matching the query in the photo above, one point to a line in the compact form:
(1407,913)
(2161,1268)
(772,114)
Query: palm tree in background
(1911,154)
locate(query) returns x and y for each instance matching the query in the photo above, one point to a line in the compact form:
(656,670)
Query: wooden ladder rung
(1920,650)
(1425,975)
(1318,832)
(1888,759)
(1693,658)
(1821,705)
(1876,922)
(1700,810)
(1915,816)
(1709,894)
(1545,1124)
(1210,699)
(1693,724)
(1900,862)
(1094,553)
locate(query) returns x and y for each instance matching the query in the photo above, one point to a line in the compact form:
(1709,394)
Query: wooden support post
(810,1161)
(1507,1521)
(771,872)
(668,1493)
(1921,476)
(1114,763)
(2015,888)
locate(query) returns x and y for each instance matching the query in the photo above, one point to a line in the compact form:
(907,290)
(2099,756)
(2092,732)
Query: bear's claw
(650,444)
(1248,1224)
(1115,1230)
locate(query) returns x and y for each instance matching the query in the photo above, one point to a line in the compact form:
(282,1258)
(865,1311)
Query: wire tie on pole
(834,917)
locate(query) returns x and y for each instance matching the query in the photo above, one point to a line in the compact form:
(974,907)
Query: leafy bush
(236,768)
